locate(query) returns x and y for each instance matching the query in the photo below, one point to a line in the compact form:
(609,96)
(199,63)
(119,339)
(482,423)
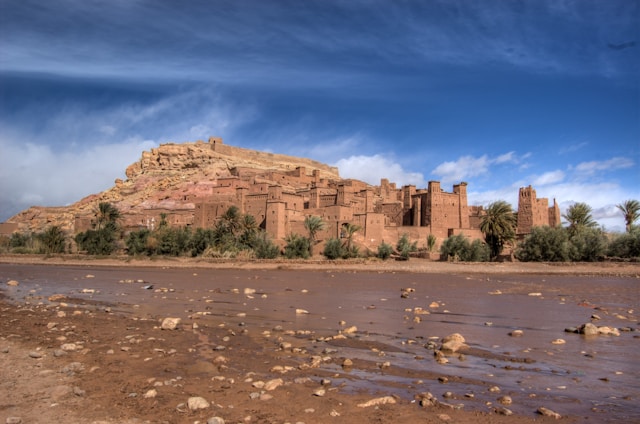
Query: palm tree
(106,214)
(313,224)
(498,226)
(231,221)
(631,211)
(579,217)
(350,231)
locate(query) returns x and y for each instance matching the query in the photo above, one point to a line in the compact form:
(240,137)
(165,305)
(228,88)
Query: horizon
(499,95)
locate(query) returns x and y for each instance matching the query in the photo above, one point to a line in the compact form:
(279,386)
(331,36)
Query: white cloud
(35,174)
(373,168)
(547,178)
(505,158)
(466,167)
(593,167)
(462,169)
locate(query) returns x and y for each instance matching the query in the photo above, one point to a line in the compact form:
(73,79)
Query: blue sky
(500,94)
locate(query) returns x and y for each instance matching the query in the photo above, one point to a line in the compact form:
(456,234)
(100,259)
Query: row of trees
(238,235)
(580,240)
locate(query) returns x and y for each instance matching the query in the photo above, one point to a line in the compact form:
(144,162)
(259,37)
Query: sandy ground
(413,265)
(77,361)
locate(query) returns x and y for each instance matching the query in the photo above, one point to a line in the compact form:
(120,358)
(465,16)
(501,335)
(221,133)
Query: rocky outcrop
(168,178)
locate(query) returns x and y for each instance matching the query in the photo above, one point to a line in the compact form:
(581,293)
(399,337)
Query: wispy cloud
(551,177)
(592,167)
(271,43)
(79,151)
(573,147)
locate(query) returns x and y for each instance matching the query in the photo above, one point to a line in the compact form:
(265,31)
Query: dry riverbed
(82,341)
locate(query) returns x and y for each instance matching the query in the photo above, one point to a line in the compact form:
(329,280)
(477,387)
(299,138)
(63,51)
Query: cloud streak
(274,43)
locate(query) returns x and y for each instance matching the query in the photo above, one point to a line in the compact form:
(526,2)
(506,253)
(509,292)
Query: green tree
(105,215)
(201,239)
(313,224)
(545,244)
(631,211)
(578,217)
(101,240)
(136,242)
(97,242)
(498,226)
(626,245)
(588,245)
(53,240)
(350,230)
(248,232)
(231,221)
(458,248)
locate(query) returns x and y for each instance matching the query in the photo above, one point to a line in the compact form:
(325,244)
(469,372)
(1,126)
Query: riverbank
(415,265)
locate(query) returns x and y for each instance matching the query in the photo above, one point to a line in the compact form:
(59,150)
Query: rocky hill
(170,177)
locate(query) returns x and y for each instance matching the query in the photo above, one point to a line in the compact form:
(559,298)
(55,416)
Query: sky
(500,94)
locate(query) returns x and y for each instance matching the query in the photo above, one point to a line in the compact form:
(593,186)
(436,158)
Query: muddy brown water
(595,379)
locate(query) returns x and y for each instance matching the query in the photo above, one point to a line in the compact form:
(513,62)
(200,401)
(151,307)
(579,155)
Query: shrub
(20,240)
(477,252)
(333,249)
(264,248)
(626,245)
(549,244)
(137,242)
(384,251)
(353,252)
(23,243)
(458,248)
(405,247)
(453,247)
(52,240)
(200,240)
(431,243)
(97,242)
(588,245)
(297,247)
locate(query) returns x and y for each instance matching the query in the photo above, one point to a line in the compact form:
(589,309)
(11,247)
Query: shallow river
(596,379)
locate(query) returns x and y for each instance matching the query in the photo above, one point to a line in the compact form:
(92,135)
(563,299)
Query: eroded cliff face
(169,177)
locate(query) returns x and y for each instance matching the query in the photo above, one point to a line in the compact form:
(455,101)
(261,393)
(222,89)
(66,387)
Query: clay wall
(293,201)
(393,212)
(8,228)
(150,218)
(326,200)
(259,188)
(533,212)
(276,220)
(206,214)
(256,206)
(554,215)
(286,161)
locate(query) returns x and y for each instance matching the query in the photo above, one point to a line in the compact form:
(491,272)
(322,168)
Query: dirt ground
(75,361)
